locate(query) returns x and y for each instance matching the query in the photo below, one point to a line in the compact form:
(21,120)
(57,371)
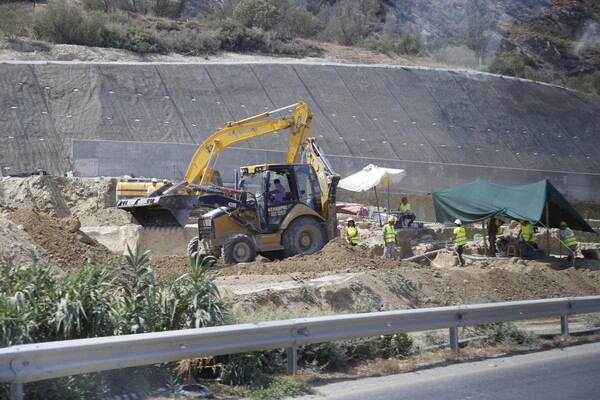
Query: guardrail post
(16,391)
(292,360)
(454,338)
(564,324)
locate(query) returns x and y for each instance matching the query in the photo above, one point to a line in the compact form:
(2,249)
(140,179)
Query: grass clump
(591,320)
(503,333)
(274,389)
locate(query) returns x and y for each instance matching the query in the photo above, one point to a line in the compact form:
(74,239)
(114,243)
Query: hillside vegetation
(551,41)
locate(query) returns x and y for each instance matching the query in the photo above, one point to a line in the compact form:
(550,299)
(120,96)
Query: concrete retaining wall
(445,127)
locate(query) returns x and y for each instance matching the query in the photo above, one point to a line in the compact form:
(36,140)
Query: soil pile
(59,237)
(15,242)
(91,200)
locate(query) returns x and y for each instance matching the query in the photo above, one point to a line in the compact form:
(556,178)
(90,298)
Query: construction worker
(568,238)
(527,238)
(152,188)
(493,227)
(406,213)
(351,232)
(389,238)
(460,239)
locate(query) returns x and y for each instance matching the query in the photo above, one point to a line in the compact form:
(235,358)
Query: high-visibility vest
(404,207)
(570,238)
(528,233)
(352,234)
(390,233)
(151,190)
(461,236)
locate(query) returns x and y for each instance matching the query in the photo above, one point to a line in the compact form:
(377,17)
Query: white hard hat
(350,220)
(154,180)
(458,221)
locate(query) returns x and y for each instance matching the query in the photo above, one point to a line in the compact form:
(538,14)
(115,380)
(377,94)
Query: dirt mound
(15,242)
(60,237)
(336,256)
(91,200)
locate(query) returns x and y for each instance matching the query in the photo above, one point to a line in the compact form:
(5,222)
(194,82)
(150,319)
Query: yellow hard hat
(563,223)
(392,219)
(165,181)
(522,221)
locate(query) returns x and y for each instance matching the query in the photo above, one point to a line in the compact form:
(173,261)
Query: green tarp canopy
(480,200)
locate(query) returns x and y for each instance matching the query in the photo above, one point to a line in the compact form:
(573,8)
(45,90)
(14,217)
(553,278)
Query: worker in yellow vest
(153,188)
(406,213)
(351,232)
(389,238)
(527,237)
(568,238)
(460,239)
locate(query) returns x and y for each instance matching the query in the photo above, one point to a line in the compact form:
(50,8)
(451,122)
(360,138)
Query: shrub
(139,40)
(236,37)
(587,84)
(296,21)
(399,43)
(256,14)
(61,22)
(191,42)
(504,333)
(38,306)
(14,20)
(518,65)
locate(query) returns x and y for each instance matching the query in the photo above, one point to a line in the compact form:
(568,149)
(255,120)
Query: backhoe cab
(267,222)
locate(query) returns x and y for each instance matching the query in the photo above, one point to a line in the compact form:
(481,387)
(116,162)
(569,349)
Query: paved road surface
(565,374)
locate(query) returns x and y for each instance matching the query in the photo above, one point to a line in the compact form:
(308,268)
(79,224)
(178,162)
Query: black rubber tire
(304,235)
(193,246)
(238,248)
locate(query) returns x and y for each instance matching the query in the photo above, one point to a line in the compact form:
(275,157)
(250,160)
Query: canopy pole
(548,228)
(388,199)
(377,202)
(485,248)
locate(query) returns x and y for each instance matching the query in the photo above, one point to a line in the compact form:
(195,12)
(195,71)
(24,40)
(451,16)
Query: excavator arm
(201,167)
(174,207)
(328,182)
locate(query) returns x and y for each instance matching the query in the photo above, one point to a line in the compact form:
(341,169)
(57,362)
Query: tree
(344,23)
(256,14)
(479,21)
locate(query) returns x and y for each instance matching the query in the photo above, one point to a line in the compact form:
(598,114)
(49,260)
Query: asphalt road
(566,374)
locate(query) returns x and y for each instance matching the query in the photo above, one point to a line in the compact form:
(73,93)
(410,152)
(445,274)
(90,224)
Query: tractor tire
(238,248)
(193,246)
(304,235)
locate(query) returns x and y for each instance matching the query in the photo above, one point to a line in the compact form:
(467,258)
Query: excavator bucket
(160,212)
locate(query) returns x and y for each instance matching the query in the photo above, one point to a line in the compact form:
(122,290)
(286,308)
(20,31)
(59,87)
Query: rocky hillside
(549,40)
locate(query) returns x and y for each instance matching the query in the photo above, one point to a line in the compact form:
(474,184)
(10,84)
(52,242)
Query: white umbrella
(372,177)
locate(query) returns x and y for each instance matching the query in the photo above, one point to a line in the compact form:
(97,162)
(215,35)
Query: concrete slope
(445,127)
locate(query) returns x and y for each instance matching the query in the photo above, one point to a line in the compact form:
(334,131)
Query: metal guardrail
(32,362)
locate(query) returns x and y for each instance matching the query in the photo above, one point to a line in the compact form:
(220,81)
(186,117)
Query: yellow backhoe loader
(277,210)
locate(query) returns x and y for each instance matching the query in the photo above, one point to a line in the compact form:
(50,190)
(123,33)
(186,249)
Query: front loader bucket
(160,212)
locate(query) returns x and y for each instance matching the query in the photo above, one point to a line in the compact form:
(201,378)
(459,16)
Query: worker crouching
(351,232)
